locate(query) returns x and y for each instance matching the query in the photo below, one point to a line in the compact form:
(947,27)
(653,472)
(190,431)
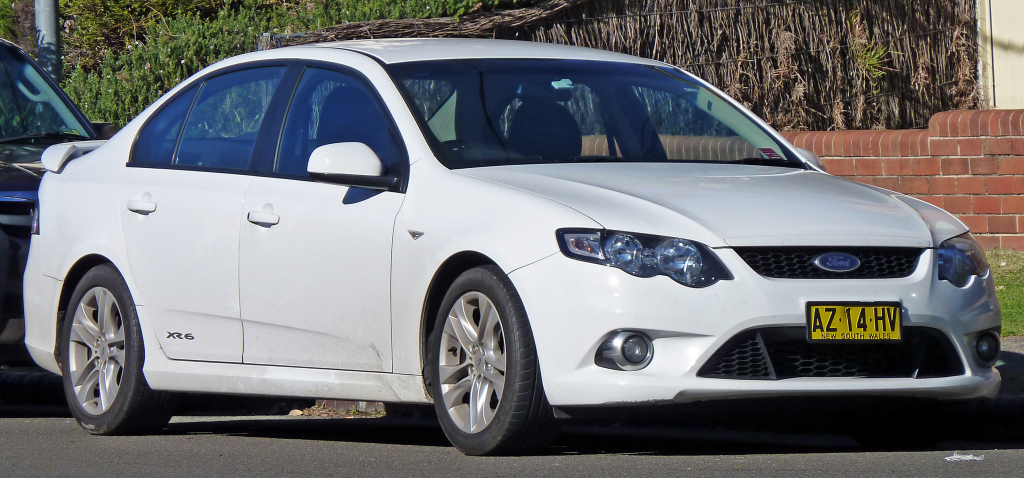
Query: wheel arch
(71,280)
(443,278)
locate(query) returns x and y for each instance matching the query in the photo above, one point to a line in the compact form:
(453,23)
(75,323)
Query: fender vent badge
(415,234)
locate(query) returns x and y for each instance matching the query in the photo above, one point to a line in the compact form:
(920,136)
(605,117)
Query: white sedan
(511,231)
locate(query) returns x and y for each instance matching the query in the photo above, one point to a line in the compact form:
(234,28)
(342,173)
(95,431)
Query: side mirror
(105,130)
(350,164)
(811,158)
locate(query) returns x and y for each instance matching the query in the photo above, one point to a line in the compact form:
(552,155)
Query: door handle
(263,218)
(139,206)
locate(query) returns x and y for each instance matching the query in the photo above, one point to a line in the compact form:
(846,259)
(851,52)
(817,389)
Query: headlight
(689,263)
(959,258)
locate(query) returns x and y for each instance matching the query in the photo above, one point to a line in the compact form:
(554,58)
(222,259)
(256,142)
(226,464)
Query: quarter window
(159,137)
(221,128)
(331,107)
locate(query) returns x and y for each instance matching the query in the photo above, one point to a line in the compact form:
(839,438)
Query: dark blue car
(34,114)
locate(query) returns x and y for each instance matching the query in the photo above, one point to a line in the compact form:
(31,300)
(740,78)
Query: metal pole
(48,38)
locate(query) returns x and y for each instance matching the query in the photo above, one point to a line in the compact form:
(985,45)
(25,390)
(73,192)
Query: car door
(181,198)
(315,258)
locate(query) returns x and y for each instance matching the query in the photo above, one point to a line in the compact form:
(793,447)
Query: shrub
(127,70)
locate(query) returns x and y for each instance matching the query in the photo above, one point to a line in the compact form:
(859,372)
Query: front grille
(783,352)
(798,262)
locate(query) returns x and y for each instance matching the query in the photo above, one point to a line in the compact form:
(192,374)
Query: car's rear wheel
(101,359)
(483,369)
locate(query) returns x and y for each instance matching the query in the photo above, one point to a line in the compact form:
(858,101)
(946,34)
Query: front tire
(483,369)
(102,355)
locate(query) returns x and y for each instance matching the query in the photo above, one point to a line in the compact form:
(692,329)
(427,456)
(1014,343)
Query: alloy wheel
(96,355)
(472,362)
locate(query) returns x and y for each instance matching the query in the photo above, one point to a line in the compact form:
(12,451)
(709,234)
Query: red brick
(809,140)
(973,123)
(868,166)
(984,165)
(857,146)
(890,183)
(914,185)
(796,139)
(839,166)
(826,144)
(923,142)
(1018,184)
(884,138)
(943,147)
(954,124)
(837,143)
(972,146)
(984,122)
(897,167)
(1015,243)
(870,143)
(941,185)
(1016,118)
(999,185)
(954,166)
(1002,224)
(998,146)
(977,224)
(903,144)
(970,185)
(1013,204)
(819,143)
(864,179)
(1004,122)
(933,200)
(986,205)
(938,124)
(926,166)
(1017,146)
(988,242)
(957,204)
(1011,165)
(848,140)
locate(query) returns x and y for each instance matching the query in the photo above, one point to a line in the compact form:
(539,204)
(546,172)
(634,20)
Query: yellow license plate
(854,321)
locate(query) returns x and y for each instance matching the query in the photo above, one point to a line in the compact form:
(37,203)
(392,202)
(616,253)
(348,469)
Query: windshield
(497,111)
(31,112)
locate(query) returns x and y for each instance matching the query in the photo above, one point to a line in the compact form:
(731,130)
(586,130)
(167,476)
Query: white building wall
(1001,53)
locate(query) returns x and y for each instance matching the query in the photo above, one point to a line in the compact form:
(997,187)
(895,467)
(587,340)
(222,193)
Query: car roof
(399,50)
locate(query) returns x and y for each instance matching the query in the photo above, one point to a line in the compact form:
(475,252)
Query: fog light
(626,350)
(987,347)
(635,349)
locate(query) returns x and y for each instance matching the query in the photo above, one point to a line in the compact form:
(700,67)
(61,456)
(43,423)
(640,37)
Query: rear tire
(483,369)
(102,355)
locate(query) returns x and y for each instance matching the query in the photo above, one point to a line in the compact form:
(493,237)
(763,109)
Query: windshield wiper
(53,135)
(767,162)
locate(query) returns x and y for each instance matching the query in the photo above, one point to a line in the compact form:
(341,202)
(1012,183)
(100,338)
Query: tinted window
(331,107)
(31,111)
(158,138)
(489,112)
(221,128)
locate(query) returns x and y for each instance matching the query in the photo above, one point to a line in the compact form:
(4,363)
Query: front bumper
(573,306)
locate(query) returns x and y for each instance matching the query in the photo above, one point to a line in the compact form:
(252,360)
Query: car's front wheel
(483,369)
(102,356)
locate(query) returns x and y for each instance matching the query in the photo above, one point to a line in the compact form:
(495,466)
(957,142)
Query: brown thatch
(819,65)
(476,25)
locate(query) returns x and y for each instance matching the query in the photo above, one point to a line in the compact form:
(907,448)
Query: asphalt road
(781,439)
(33,443)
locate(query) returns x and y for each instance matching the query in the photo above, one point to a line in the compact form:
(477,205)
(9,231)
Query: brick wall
(970,163)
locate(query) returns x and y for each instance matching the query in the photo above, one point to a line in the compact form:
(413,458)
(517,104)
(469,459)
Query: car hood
(724,205)
(20,169)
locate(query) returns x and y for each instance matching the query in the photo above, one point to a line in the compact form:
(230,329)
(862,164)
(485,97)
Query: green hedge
(124,54)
